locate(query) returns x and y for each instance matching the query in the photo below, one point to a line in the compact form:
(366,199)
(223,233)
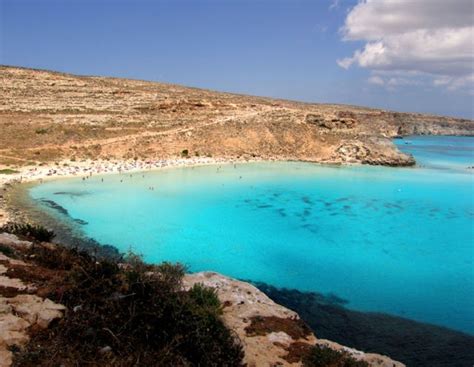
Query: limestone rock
(8,282)
(12,332)
(11,261)
(35,310)
(20,312)
(331,122)
(244,303)
(5,357)
(12,329)
(9,239)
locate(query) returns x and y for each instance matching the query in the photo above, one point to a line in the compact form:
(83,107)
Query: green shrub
(35,232)
(321,356)
(8,171)
(138,312)
(7,250)
(206,298)
(185,153)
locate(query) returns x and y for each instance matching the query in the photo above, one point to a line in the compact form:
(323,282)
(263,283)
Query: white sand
(89,167)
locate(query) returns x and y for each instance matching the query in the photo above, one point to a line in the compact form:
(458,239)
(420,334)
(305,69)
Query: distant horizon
(231,92)
(413,56)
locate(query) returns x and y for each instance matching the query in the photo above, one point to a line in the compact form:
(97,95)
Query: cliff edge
(268,334)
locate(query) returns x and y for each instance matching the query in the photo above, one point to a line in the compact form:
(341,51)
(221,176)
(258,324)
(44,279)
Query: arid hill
(48,116)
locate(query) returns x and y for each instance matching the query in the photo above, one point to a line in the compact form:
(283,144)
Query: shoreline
(106,167)
(88,168)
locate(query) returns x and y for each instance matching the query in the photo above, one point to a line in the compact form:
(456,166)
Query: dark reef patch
(306,200)
(310,227)
(411,342)
(68,230)
(53,205)
(72,193)
(81,222)
(281,212)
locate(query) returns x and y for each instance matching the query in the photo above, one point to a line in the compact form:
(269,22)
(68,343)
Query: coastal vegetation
(123,313)
(37,232)
(8,171)
(321,356)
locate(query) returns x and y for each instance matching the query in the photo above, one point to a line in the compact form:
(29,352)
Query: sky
(405,55)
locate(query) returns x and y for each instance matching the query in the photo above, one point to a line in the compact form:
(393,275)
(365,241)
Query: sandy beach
(88,168)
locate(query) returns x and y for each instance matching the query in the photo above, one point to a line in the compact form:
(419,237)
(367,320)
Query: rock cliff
(269,333)
(272,335)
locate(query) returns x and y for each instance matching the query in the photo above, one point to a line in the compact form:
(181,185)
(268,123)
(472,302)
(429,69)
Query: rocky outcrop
(271,335)
(21,311)
(353,151)
(331,122)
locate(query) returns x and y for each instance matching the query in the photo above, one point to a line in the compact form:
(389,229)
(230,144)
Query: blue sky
(301,50)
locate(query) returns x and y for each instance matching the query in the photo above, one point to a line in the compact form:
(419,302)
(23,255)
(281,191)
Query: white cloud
(376,80)
(432,37)
(391,81)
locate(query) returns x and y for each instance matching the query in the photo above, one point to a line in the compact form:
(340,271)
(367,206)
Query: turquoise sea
(392,240)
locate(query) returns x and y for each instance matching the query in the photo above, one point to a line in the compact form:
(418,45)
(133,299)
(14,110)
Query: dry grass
(121,314)
(46,116)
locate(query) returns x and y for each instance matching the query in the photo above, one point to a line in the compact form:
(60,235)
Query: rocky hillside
(46,116)
(101,298)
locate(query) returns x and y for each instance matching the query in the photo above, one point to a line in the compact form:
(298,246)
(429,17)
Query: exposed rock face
(46,117)
(331,122)
(270,333)
(20,311)
(353,151)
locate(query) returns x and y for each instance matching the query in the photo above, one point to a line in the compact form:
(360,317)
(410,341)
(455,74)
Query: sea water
(392,240)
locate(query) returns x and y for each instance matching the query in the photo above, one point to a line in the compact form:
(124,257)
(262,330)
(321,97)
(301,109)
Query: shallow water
(393,240)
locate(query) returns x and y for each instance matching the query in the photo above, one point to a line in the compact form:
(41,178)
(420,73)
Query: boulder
(36,310)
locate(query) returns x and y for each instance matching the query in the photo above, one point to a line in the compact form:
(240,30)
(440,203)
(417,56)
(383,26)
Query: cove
(392,240)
